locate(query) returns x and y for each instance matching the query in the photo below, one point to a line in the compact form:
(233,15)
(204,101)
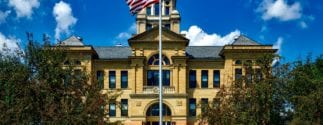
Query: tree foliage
(35,88)
(286,94)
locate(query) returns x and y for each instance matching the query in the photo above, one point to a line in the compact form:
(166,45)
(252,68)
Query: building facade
(191,74)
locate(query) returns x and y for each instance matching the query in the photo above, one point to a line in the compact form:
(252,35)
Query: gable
(153,36)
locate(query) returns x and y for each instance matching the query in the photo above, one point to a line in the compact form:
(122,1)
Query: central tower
(148,18)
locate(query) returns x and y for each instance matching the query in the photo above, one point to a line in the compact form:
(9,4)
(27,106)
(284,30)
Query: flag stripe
(137,5)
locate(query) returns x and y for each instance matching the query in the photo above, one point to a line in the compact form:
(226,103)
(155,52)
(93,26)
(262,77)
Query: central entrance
(152,115)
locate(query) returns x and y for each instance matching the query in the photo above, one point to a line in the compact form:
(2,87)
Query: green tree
(35,88)
(305,89)
(254,99)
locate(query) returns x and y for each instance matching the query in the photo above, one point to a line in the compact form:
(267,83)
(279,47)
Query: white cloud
(279,9)
(8,45)
(24,8)
(199,38)
(64,18)
(303,24)
(124,36)
(278,44)
(4,15)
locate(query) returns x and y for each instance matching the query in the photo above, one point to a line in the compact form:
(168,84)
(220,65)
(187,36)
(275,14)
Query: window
(154,60)
(77,62)
(124,79)
(149,27)
(112,79)
(112,109)
(192,107)
(67,62)
(248,63)
(124,107)
(192,79)
(100,78)
(78,78)
(148,11)
(238,62)
(258,74)
(153,78)
(204,79)
(249,76)
(238,74)
(167,26)
(204,104)
(216,78)
(156,9)
(167,10)
(153,110)
(216,102)
(67,80)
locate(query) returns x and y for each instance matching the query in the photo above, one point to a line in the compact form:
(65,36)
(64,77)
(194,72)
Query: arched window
(156,9)
(238,62)
(153,110)
(154,60)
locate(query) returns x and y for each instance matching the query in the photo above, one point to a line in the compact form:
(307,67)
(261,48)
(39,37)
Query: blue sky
(294,26)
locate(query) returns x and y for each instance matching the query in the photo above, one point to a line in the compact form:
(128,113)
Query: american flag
(137,5)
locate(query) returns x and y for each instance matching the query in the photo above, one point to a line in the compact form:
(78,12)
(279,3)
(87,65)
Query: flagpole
(160,65)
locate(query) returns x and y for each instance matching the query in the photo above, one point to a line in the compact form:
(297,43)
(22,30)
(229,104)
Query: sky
(295,27)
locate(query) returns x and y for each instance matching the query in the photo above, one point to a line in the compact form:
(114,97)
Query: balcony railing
(155,90)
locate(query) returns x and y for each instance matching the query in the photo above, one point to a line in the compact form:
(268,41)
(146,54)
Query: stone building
(192,74)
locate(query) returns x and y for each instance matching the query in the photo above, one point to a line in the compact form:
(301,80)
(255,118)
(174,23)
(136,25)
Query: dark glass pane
(192,79)
(156,9)
(204,104)
(124,79)
(112,109)
(153,78)
(124,107)
(148,11)
(249,76)
(166,11)
(192,107)
(204,79)
(167,26)
(238,62)
(216,78)
(100,78)
(238,74)
(149,26)
(166,78)
(112,79)
(154,110)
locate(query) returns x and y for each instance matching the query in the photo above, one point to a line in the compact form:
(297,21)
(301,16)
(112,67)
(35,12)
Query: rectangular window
(204,79)
(238,74)
(166,11)
(153,78)
(124,107)
(204,104)
(167,26)
(100,78)
(156,9)
(149,26)
(112,79)
(148,11)
(192,79)
(216,102)
(258,74)
(216,78)
(249,76)
(192,107)
(124,79)
(78,77)
(112,109)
